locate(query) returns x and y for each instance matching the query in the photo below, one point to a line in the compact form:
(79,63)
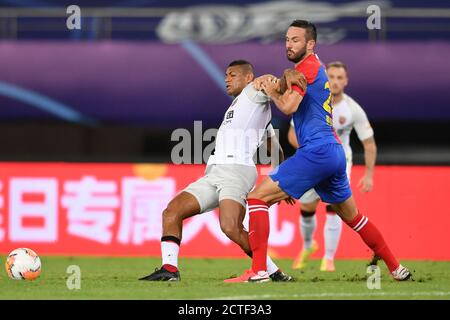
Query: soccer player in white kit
(347,114)
(230,174)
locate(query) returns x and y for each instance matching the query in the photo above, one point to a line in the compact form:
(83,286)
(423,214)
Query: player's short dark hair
(311,31)
(337,64)
(242,63)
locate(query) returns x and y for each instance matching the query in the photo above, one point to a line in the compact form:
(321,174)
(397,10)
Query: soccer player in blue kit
(318,163)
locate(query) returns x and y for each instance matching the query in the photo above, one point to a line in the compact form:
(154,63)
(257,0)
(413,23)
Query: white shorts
(223,181)
(311,195)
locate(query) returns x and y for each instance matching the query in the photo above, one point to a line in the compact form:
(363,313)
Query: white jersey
(348,114)
(243,128)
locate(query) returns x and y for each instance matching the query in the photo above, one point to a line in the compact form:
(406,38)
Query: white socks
(271,266)
(307,227)
(332,233)
(169,252)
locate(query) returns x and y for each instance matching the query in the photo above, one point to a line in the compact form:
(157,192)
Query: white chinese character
(91,205)
(2,202)
(33,198)
(143,202)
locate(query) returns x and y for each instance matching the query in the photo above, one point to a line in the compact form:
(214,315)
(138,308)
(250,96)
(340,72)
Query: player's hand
(258,81)
(270,86)
(365,184)
(290,201)
(294,77)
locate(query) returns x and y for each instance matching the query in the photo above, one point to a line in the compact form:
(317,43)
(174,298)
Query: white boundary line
(333,295)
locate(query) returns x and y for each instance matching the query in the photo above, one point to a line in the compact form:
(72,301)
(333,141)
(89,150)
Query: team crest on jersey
(229,115)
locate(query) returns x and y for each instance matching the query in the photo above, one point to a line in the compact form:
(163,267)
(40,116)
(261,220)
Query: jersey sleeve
(256,96)
(360,121)
(299,90)
(310,68)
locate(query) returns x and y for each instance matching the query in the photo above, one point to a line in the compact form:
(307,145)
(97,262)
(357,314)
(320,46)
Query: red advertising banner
(115,209)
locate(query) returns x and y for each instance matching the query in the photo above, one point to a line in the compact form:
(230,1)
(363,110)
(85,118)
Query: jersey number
(328,108)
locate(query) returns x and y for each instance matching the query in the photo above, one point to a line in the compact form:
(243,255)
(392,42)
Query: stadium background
(87,115)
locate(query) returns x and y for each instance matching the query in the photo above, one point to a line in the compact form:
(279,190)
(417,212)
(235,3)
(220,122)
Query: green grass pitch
(116,278)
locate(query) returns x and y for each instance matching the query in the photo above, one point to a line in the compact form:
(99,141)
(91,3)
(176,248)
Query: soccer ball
(23,264)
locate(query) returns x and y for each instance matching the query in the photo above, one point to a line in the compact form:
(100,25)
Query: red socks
(373,238)
(170,268)
(258,234)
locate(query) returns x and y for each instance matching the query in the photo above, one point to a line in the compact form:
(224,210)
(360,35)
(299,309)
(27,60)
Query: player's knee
(307,213)
(230,229)
(308,209)
(259,195)
(171,214)
(253,195)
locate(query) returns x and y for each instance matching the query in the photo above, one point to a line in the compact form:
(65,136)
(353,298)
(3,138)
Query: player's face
(337,77)
(236,80)
(296,44)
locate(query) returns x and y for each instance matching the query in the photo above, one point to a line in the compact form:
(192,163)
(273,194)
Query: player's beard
(297,57)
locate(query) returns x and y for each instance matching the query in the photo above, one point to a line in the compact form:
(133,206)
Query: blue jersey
(313,119)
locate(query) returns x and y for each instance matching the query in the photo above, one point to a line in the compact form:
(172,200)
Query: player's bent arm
(292,138)
(288,102)
(259,80)
(293,77)
(370,155)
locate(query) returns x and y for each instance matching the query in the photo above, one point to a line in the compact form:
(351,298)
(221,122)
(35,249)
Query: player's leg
(332,230)
(292,178)
(370,234)
(268,191)
(336,190)
(231,217)
(232,214)
(183,206)
(307,224)
(234,183)
(199,196)
(331,233)
(259,201)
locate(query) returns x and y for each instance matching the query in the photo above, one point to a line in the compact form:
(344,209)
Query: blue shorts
(320,167)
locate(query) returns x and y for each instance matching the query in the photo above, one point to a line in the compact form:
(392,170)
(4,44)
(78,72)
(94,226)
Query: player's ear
(250,77)
(310,45)
(345,81)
